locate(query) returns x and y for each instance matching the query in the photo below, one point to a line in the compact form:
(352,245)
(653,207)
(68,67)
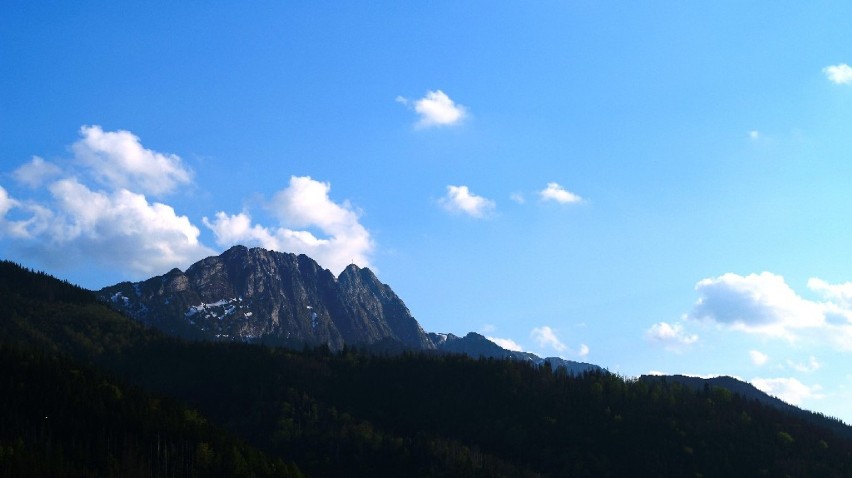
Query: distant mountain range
(478,346)
(728,383)
(261,296)
(749,391)
(256,295)
(89,391)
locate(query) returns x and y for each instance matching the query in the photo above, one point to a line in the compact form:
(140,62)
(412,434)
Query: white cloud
(118,227)
(840,293)
(546,337)
(118,160)
(31,218)
(789,390)
(754,134)
(6,202)
(758,358)
(518,198)
(507,344)
(238,229)
(812,365)
(840,74)
(555,192)
(436,109)
(460,199)
(36,172)
(114,229)
(302,206)
(758,303)
(670,336)
(764,304)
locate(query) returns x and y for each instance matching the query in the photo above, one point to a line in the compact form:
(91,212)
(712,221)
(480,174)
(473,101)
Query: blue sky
(648,186)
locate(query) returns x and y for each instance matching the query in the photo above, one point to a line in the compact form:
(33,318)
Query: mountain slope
(478,346)
(750,392)
(421,415)
(277,298)
(62,413)
(42,313)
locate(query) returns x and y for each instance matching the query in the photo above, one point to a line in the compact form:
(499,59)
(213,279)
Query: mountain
(63,413)
(478,346)
(87,391)
(731,384)
(255,295)
(750,392)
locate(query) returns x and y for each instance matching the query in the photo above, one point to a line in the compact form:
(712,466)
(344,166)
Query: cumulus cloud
(789,390)
(459,199)
(555,192)
(436,109)
(118,228)
(764,304)
(6,202)
(839,293)
(546,337)
(303,210)
(840,74)
(670,336)
(507,344)
(758,358)
(118,160)
(31,218)
(36,172)
(124,227)
(114,226)
(757,303)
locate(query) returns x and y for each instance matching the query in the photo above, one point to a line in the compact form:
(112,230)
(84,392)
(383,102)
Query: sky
(653,187)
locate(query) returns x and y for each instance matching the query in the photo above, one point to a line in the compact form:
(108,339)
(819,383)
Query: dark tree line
(63,419)
(423,413)
(121,400)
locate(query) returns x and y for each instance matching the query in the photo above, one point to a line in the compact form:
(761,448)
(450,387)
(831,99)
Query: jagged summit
(260,295)
(257,295)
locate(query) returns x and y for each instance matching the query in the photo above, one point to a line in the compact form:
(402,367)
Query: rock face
(259,295)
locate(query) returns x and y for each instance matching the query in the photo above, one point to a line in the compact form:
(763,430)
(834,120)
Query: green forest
(88,392)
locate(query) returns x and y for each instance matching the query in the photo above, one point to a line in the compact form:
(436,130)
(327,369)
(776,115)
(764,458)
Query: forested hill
(228,409)
(65,413)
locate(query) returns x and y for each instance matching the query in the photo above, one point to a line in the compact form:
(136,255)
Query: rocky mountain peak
(261,295)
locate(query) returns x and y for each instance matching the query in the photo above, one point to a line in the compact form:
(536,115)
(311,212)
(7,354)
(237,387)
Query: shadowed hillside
(348,413)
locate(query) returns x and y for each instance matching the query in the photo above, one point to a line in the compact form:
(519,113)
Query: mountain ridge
(352,414)
(279,298)
(476,345)
(256,295)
